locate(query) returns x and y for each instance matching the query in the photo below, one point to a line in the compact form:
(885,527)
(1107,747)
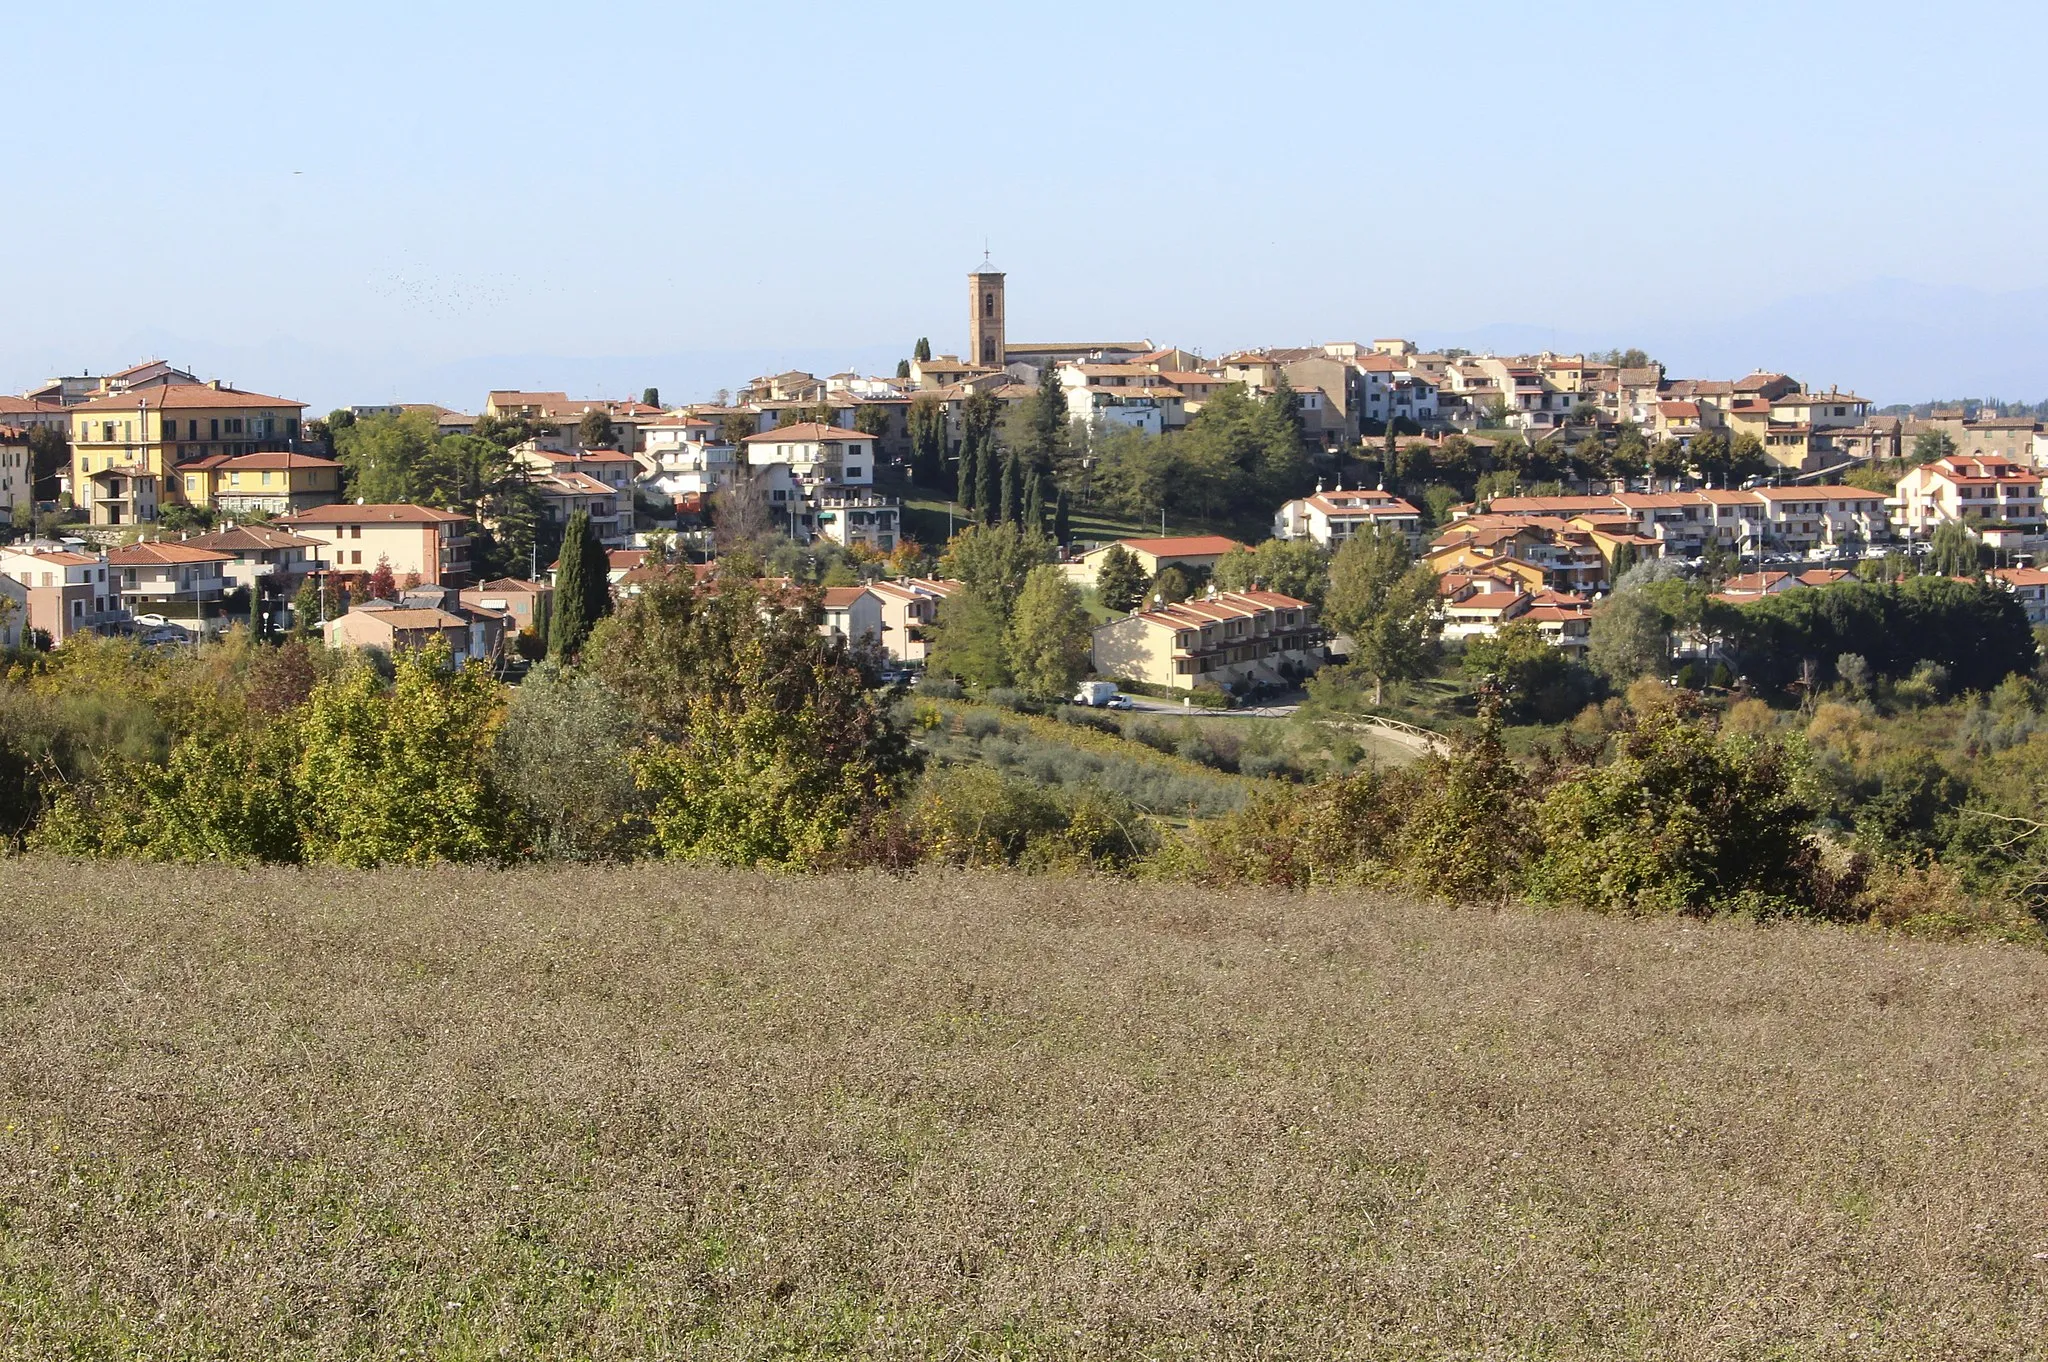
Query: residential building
(1131,396)
(853,616)
(909,608)
(610,511)
(1823,517)
(528,604)
(2030,587)
(27,413)
(273,483)
(269,564)
(683,457)
(129,449)
(1226,640)
(471,636)
(170,577)
(1196,551)
(67,593)
(1999,500)
(77,389)
(17,472)
(847,516)
(816,454)
(1330,518)
(414,541)
(612,467)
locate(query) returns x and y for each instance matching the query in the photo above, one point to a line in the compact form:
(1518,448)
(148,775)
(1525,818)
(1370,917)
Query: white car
(152,621)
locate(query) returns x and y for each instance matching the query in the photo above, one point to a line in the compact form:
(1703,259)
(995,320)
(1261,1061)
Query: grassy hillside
(646,1112)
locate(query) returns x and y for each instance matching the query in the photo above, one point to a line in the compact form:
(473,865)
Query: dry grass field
(646,1113)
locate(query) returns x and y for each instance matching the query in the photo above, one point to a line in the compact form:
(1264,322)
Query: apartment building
(1999,500)
(847,516)
(274,483)
(65,592)
(815,453)
(129,449)
(1226,640)
(415,541)
(169,577)
(1330,518)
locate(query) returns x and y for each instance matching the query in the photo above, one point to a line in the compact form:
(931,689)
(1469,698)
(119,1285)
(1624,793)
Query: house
(271,483)
(1828,516)
(853,616)
(847,516)
(816,453)
(909,609)
(414,541)
(1197,551)
(263,560)
(610,511)
(470,637)
(1476,605)
(1997,499)
(2030,587)
(17,471)
(683,457)
(29,413)
(1225,640)
(614,468)
(1330,518)
(528,604)
(128,449)
(1132,396)
(67,593)
(170,577)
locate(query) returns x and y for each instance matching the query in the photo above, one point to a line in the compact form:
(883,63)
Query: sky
(420,201)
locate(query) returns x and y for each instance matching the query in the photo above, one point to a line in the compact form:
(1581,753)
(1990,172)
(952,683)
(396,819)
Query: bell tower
(985,315)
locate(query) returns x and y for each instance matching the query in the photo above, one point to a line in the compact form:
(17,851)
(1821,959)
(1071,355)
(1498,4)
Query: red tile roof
(186,397)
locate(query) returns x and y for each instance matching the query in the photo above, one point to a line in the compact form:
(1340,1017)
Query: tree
(993,561)
(382,585)
(871,418)
(1388,608)
(1283,405)
(988,493)
(1170,587)
(582,572)
(403,775)
(308,609)
(903,368)
(561,755)
(1932,444)
(650,397)
(1050,634)
(927,429)
(1746,458)
(1953,552)
(968,476)
(735,427)
(1293,567)
(1062,521)
(1048,421)
(922,352)
(1119,579)
(1013,491)
(1034,501)
(1631,637)
(970,641)
(596,429)
(49,453)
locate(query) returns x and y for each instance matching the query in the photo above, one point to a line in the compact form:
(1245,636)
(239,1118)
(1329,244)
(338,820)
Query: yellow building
(128,450)
(273,483)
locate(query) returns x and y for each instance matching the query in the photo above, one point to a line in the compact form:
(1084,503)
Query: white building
(1330,518)
(816,454)
(1999,500)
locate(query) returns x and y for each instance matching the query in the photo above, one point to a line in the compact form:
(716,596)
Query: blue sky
(373,201)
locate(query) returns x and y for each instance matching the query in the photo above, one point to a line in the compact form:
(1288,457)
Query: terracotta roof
(840,597)
(242,537)
(28,406)
(344,513)
(268,459)
(414,619)
(162,552)
(61,557)
(186,397)
(804,431)
(1183,546)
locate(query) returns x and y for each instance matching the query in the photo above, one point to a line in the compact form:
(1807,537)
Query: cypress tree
(571,621)
(988,492)
(1013,491)
(922,353)
(1034,504)
(1062,521)
(968,477)
(597,581)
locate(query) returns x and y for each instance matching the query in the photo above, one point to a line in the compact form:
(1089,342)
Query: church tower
(985,316)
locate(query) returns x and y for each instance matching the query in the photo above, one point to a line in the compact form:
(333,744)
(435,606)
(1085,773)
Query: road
(1402,735)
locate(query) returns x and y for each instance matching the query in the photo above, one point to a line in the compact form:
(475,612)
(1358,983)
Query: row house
(1226,640)
(1331,518)
(418,542)
(63,592)
(1998,499)
(1686,524)
(1561,553)
(1478,604)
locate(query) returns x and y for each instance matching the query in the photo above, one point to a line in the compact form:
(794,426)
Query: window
(356,558)
(356,532)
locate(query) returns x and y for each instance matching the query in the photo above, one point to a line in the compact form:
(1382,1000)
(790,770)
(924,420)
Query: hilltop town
(152,501)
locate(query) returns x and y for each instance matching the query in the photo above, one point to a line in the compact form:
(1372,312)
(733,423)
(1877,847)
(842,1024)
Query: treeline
(710,723)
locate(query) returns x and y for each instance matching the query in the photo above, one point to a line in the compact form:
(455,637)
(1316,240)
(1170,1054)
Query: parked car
(152,621)
(1118,701)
